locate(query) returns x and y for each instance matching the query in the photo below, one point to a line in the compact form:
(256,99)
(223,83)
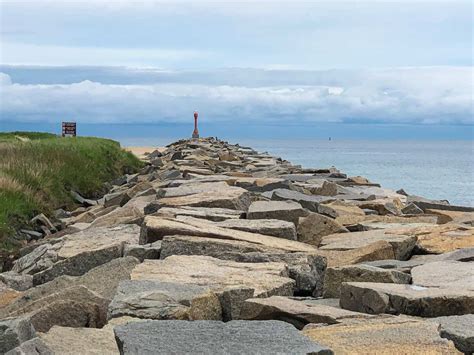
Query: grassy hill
(37,171)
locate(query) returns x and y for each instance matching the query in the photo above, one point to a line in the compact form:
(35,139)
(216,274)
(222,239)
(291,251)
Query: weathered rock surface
(438,239)
(103,280)
(19,282)
(310,202)
(75,306)
(374,298)
(212,214)
(379,250)
(155,228)
(87,341)
(424,205)
(444,274)
(193,188)
(344,212)
(163,300)
(7,295)
(305,268)
(143,251)
(459,329)
(445,238)
(393,335)
(312,228)
(212,337)
(14,331)
(284,210)
(334,277)
(33,346)
(259,184)
(77,253)
(265,278)
(402,244)
(274,227)
(229,197)
(452,216)
(116,199)
(297,312)
(130,213)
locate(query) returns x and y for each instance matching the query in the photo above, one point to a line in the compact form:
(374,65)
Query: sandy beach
(141,152)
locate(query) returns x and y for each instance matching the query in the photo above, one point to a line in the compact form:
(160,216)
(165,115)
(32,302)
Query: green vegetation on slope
(38,171)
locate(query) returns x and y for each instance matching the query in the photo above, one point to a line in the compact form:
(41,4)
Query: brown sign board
(69,128)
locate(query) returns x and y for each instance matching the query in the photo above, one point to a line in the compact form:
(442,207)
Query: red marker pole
(195,132)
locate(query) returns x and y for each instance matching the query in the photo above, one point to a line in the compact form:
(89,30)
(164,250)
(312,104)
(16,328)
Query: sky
(259,62)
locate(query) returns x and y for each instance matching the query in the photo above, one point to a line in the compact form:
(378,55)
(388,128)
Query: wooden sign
(69,128)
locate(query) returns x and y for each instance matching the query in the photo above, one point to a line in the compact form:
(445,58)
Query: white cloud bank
(404,95)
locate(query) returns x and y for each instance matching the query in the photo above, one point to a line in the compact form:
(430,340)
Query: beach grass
(38,171)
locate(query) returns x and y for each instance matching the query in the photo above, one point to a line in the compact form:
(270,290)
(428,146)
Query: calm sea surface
(433,169)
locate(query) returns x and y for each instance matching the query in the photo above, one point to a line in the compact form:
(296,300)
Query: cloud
(403,95)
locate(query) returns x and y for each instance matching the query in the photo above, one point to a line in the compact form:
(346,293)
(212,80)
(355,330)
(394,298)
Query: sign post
(69,128)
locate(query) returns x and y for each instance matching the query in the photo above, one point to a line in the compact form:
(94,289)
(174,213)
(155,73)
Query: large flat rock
(14,331)
(459,329)
(229,197)
(226,249)
(131,213)
(312,228)
(155,228)
(213,337)
(311,202)
(464,255)
(259,184)
(86,341)
(163,300)
(438,239)
(192,188)
(424,205)
(334,277)
(380,250)
(34,346)
(285,210)
(445,274)
(212,214)
(274,227)
(373,298)
(77,253)
(75,307)
(305,268)
(7,295)
(102,280)
(452,216)
(266,279)
(297,312)
(402,244)
(394,335)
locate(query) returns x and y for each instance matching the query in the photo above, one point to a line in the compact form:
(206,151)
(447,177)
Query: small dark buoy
(329,138)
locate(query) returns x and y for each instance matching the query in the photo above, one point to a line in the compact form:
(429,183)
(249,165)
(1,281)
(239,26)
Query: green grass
(38,171)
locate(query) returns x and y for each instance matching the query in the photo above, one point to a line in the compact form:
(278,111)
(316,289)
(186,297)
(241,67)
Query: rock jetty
(215,248)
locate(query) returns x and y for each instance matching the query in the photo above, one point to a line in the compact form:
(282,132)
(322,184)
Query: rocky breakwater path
(215,248)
